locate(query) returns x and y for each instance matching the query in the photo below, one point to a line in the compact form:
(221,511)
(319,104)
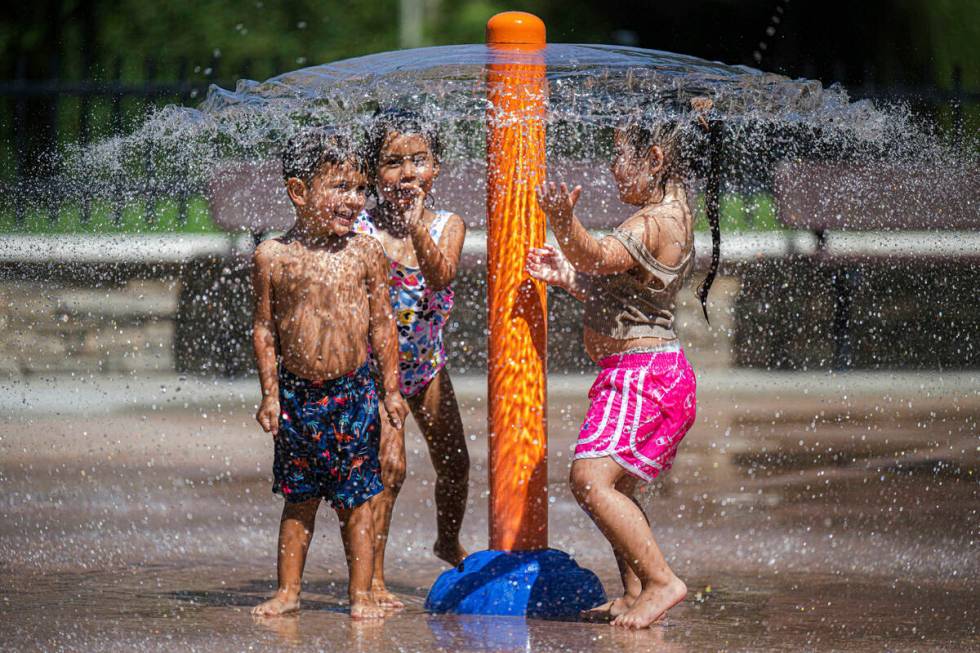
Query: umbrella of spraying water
(590,86)
(765,117)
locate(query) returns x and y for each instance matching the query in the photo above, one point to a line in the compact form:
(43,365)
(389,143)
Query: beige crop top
(620,306)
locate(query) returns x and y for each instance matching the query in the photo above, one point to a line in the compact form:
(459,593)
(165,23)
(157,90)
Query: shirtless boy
(321,297)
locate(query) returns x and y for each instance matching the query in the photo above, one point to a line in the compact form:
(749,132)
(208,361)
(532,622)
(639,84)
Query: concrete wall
(56,326)
(779,314)
(195,318)
(905,314)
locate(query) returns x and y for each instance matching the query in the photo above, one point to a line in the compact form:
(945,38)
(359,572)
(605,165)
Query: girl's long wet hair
(396,121)
(685,139)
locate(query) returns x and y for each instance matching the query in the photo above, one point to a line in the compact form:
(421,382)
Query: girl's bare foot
(608,610)
(280,604)
(652,603)
(383,597)
(450,552)
(365,607)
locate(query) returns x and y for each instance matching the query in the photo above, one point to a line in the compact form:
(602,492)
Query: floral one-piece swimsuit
(421,313)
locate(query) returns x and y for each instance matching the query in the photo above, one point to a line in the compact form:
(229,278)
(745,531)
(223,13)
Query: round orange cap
(516,28)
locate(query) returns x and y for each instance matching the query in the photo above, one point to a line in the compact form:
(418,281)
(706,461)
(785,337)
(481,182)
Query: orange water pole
(518,443)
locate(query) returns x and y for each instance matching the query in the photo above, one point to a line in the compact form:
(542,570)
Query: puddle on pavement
(112,542)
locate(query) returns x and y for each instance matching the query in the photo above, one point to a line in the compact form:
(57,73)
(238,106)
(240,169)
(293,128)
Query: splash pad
(248,117)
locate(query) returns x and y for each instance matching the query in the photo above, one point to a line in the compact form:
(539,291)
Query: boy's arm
(264,339)
(438,265)
(583,251)
(382,334)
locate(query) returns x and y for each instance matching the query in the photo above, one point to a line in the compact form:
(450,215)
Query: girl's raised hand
(556,200)
(548,264)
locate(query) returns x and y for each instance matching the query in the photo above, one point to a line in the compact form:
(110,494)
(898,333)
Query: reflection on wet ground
(800,521)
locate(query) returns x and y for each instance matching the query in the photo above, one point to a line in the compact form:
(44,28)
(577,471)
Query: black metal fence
(38,117)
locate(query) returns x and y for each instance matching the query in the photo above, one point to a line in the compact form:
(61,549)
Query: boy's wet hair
(399,121)
(314,147)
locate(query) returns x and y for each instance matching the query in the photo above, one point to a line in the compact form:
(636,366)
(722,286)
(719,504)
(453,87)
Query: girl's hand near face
(557,202)
(413,216)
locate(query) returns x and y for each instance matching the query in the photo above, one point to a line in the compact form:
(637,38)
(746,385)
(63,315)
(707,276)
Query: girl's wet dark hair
(399,121)
(686,140)
(310,149)
(681,138)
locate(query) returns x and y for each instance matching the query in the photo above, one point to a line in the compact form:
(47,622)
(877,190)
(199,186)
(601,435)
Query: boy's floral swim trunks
(328,439)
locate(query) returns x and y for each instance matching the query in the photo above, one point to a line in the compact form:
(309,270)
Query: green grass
(162,217)
(741,213)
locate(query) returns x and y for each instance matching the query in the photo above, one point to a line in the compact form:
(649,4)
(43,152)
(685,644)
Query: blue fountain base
(546,584)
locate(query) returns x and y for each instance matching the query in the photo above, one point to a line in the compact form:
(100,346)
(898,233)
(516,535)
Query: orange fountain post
(517,304)
(519,574)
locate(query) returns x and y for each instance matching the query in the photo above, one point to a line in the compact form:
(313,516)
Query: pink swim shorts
(642,405)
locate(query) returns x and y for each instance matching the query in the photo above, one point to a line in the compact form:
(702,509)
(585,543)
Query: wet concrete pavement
(805,512)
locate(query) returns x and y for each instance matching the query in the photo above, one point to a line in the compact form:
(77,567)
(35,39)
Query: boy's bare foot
(365,607)
(450,552)
(280,604)
(384,597)
(652,603)
(608,610)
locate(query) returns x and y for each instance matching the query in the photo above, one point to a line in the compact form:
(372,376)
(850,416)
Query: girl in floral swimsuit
(423,247)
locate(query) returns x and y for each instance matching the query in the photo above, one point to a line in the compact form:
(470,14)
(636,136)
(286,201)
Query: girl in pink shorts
(643,401)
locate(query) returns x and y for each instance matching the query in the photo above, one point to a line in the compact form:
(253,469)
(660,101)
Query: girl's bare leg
(437,413)
(624,525)
(631,582)
(392,456)
(295,532)
(357,532)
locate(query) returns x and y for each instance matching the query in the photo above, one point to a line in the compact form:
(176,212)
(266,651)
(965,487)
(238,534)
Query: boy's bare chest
(323,276)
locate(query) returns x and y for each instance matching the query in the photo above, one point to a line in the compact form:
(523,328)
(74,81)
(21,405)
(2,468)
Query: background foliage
(895,41)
